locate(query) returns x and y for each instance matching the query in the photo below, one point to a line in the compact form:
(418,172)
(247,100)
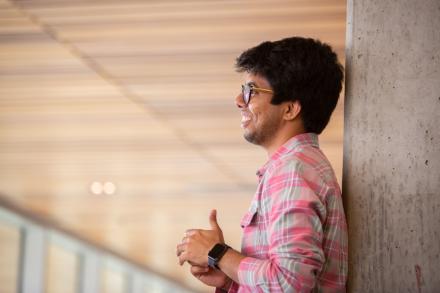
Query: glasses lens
(246,91)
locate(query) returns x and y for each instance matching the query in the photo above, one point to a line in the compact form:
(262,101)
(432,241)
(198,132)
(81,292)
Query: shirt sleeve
(295,215)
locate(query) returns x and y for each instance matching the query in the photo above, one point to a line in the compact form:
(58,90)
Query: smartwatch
(216,253)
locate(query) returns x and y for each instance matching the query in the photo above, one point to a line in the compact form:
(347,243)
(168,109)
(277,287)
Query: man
(294,234)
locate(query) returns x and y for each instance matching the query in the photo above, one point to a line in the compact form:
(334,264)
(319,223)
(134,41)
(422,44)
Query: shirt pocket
(250,217)
(253,241)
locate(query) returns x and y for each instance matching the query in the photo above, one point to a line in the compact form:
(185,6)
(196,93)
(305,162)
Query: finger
(199,270)
(180,248)
(190,232)
(213,220)
(183,258)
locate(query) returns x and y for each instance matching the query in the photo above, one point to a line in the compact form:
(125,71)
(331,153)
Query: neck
(281,138)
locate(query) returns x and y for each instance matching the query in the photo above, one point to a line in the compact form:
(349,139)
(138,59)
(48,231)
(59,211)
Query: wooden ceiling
(140,94)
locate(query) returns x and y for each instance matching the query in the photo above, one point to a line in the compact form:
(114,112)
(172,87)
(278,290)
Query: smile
(245,119)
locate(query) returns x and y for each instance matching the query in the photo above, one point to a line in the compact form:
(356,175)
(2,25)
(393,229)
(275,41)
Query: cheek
(255,110)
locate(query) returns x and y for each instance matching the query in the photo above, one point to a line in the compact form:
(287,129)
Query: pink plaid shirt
(295,232)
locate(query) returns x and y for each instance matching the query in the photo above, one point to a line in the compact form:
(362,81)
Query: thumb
(213,220)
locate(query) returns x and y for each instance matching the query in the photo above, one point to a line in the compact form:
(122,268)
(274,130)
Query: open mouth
(245,119)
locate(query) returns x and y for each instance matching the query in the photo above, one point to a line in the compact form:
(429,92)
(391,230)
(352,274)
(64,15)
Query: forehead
(256,79)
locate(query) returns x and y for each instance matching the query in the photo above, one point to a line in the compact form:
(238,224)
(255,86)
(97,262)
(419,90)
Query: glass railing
(35,258)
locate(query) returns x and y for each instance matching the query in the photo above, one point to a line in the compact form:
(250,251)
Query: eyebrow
(251,83)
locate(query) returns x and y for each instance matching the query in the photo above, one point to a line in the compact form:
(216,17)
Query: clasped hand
(197,243)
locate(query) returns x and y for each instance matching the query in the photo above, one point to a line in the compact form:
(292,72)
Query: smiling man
(294,233)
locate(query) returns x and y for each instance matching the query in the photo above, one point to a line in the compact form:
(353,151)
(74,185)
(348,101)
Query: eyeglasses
(248,91)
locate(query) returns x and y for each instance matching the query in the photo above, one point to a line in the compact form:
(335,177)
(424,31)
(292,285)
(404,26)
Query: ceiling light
(109,188)
(96,188)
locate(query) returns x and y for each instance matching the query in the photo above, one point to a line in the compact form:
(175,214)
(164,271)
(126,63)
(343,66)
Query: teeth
(244,118)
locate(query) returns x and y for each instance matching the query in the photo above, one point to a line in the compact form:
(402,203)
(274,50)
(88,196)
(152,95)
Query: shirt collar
(289,146)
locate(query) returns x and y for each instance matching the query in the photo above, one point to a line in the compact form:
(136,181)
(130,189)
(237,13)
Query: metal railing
(34,240)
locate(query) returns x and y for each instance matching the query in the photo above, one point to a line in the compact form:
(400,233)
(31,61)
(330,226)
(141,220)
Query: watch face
(216,253)
(216,250)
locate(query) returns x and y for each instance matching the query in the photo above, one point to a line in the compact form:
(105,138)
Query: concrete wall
(391,178)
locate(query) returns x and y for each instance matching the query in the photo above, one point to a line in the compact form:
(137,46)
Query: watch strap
(216,253)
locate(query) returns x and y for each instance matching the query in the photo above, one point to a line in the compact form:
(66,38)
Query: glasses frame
(247,91)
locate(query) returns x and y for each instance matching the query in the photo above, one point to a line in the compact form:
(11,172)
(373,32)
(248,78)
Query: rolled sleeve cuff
(250,271)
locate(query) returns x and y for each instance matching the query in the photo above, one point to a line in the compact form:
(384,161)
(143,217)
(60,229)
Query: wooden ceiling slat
(88,6)
(193,18)
(197,32)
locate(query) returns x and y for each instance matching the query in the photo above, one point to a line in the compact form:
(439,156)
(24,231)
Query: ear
(292,110)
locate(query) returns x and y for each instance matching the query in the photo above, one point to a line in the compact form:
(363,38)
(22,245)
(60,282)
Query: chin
(251,137)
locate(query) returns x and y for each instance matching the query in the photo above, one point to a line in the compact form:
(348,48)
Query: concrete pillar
(391,177)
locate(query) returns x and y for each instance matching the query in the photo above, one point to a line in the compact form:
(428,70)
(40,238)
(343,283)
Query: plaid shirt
(295,232)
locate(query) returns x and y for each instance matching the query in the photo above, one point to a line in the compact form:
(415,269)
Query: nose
(239,101)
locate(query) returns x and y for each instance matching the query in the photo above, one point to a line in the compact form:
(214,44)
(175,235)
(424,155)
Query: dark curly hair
(298,69)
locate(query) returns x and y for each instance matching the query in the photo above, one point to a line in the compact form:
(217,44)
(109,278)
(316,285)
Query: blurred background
(118,131)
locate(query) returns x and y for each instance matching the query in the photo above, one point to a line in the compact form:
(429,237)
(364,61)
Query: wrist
(227,285)
(216,253)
